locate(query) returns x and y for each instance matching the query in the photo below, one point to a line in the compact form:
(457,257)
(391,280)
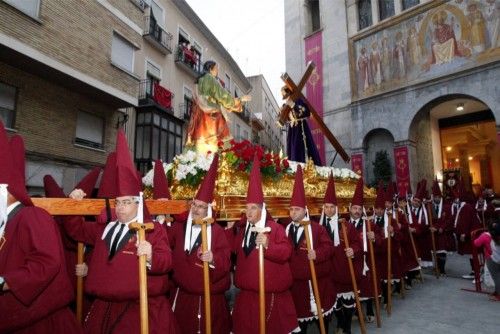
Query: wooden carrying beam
(94,207)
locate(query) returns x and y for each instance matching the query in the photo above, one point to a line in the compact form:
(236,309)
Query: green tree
(382,169)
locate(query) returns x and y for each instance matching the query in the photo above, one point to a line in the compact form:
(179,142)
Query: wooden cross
(296,93)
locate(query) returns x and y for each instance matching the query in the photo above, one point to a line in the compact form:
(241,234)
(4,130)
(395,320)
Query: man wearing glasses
(113,269)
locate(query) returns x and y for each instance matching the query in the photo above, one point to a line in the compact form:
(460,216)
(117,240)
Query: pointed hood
(390,192)
(52,189)
(160,182)
(421,188)
(127,183)
(381,197)
(357,198)
(299,194)
(18,184)
(206,191)
(255,194)
(330,194)
(108,179)
(87,183)
(436,191)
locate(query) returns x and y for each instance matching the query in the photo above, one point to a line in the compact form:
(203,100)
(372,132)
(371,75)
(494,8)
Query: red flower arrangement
(240,155)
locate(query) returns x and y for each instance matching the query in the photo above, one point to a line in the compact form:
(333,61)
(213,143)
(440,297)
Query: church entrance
(461,134)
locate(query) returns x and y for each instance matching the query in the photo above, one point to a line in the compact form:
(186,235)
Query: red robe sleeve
(324,249)
(39,239)
(279,248)
(161,257)
(80,230)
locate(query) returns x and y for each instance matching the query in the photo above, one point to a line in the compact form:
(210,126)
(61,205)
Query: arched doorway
(456,134)
(377,140)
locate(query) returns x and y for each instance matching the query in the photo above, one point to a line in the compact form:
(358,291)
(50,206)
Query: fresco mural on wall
(450,37)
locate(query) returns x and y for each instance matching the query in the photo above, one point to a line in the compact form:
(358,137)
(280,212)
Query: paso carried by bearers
(113,273)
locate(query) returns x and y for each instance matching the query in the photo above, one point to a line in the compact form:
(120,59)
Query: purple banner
(314,87)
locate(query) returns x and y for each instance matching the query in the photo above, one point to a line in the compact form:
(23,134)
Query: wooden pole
(305,225)
(414,249)
(389,267)
(433,239)
(79,285)
(354,285)
(262,287)
(374,274)
(143,278)
(206,274)
(401,279)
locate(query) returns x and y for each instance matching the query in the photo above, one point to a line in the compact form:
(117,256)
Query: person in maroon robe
(464,220)
(359,222)
(320,252)
(345,302)
(383,212)
(185,239)
(442,227)
(280,313)
(113,273)
(34,287)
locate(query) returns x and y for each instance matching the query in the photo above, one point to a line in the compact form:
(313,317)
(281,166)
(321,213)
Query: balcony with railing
(245,114)
(188,60)
(151,93)
(157,36)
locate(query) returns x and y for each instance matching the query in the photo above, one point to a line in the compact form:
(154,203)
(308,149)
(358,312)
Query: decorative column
(485,169)
(464,167)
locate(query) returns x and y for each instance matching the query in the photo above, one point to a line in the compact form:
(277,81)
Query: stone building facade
(415,78)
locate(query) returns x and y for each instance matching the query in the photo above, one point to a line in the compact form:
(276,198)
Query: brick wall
(76,33)
(46,116)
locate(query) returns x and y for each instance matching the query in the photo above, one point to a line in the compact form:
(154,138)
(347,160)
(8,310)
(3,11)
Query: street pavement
(438,306)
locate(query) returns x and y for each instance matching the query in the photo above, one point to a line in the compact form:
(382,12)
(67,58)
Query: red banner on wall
(314,87)
(402,166)
(357,163)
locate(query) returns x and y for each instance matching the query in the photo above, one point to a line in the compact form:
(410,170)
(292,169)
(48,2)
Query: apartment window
(157,137)
(89,130)
(122,53)
(245,134)
(158,14)
(410,3)
(188,103)
(312,7)
(28,7)
(365,14)
(386,8)
(7,104)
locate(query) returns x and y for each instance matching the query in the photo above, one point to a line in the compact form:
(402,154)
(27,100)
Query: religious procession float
(187,170)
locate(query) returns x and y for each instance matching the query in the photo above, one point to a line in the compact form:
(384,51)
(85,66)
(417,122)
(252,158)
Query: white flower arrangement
(189,162)
(325,171)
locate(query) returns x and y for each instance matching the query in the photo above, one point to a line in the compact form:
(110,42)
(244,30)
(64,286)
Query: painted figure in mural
(365,75)
(399,67)
(492,13)
(299,140)
(477,26)
(208,125)
(386,60)
(444,43)
(375,64)
(413,48)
